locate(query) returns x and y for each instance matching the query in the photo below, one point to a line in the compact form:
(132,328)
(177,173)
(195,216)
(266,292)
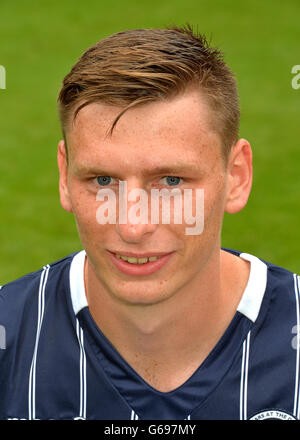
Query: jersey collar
(249,304)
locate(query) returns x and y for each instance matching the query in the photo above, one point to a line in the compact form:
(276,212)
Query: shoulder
(33,308)
(270,284)
(22,285)
(279,273)
(19,298)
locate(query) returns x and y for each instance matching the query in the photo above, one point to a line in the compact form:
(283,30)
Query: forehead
(175,130)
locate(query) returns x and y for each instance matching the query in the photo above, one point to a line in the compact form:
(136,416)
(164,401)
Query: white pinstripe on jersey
(244,378)
(296,411)
(134,416)
(82,369)
(32,375)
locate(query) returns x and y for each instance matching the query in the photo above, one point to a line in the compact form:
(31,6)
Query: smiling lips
(135,264)
(134,260)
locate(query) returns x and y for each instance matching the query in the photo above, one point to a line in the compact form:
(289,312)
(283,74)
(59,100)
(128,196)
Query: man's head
(138,66)
(174,125)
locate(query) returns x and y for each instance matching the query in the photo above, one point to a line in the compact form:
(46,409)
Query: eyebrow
(173,169)
(159,170)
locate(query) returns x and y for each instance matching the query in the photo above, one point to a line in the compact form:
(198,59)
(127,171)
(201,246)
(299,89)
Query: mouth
(139,264)
(135,260)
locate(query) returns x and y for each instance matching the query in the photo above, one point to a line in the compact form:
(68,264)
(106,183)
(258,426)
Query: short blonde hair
(138,66)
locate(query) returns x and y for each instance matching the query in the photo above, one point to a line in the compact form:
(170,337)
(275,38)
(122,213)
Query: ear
(63,177)
(239,177)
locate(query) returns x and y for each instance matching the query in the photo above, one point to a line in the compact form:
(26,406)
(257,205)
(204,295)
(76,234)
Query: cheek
(84,207)
(197,247)
(214,216)
(214,204)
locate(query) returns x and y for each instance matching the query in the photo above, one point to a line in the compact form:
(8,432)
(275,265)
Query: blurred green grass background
(41,40)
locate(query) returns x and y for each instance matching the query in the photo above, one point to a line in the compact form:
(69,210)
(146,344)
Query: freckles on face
(198,247)
(169,136)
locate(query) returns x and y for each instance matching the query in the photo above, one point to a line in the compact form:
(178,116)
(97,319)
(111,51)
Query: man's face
(149,143)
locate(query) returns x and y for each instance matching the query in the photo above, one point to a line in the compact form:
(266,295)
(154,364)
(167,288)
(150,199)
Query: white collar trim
(77,288)
(254,292)
(249,304)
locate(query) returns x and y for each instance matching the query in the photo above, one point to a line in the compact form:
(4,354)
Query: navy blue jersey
(55,363)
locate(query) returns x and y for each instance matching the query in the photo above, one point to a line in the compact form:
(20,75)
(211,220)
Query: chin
(140,298)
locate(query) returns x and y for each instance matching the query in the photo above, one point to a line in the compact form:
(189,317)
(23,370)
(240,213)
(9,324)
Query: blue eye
(104,180)
(172,181)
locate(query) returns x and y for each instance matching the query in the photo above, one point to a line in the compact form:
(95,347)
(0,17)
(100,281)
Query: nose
(134,233)
(134,219)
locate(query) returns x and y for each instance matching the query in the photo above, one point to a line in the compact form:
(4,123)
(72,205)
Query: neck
(149,337)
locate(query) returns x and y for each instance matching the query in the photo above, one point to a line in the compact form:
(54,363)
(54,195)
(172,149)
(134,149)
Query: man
(149,321)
